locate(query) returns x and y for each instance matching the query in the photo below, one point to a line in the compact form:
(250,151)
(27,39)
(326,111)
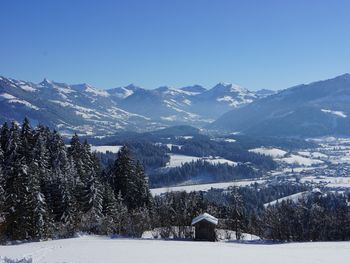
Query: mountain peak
(45,82)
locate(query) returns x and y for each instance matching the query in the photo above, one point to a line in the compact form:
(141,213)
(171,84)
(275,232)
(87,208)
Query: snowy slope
(68,108)
(102,249)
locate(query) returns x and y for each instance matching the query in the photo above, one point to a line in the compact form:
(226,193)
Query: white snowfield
(273,152)
(204,187)
(293,198)
(330,181)
(300,160)
(103,250)
(177,160)
(106,148)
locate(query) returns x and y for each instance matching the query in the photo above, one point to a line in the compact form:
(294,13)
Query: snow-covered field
(273,152)
(105,148)
(177,160)
(330,181)
(293,197)
(203,187)
(300,160)
(103,250)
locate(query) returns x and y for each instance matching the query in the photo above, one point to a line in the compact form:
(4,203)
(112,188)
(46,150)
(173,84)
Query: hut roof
(205,217)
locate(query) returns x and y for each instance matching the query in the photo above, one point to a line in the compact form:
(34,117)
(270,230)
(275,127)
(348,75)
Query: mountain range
(316,109)
(86,110)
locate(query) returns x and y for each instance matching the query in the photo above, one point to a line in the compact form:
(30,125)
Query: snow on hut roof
(206,217)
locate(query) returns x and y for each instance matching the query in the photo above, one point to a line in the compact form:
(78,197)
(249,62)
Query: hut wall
(205,231)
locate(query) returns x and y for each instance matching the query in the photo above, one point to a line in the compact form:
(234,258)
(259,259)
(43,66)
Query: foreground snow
(99,249)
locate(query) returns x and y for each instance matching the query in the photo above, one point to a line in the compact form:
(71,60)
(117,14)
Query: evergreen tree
(142,193)
(4,136)
(2,184)
(110,211)
(236,212)
(128,178)
(16,174)
(122,176)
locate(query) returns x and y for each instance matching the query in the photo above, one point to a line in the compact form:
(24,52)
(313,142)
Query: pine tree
(27,140)
(91,201)
(143,194)
(62,181)
(236,212)
(2,184)
(4,136)
(39,170)
(109,210)
(122,218)
(41,224)
(75,151)
(129,179)
(17,207)
(122,172)
(70,217)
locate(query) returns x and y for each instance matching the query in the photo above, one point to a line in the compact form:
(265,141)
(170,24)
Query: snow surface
(177,160)
(300,160)
(313,154)
(105,148)
(96,92)
(293,197)
(13,99)
(92,249)
(273,152)
(204,187)
(27,88)
(330,181)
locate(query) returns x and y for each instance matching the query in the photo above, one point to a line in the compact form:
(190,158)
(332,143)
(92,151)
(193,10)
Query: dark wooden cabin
(205,225)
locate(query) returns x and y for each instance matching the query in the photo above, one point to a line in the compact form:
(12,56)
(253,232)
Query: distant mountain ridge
(84,109)
(316,109)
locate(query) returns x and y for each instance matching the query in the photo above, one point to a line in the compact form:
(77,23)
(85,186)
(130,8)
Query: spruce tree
(4,136)
(143,194)
(2,184)
(16,174)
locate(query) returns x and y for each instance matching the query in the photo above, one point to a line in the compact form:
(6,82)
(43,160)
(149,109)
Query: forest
(52,190)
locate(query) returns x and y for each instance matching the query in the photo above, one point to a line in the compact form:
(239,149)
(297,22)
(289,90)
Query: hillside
(316,109)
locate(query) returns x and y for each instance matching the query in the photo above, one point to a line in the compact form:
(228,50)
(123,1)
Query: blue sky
(257,44)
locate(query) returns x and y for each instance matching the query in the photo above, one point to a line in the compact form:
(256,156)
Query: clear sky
(257,44)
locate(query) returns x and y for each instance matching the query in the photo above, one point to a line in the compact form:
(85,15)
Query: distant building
(205,227)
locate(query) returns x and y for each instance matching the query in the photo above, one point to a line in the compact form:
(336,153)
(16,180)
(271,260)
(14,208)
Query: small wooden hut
(205,227)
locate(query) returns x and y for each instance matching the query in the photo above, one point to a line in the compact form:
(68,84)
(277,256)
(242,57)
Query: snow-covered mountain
(68,108)
(317,109)
(84,109)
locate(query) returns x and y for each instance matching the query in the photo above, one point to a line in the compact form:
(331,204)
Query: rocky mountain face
(316,109)
(86,110)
